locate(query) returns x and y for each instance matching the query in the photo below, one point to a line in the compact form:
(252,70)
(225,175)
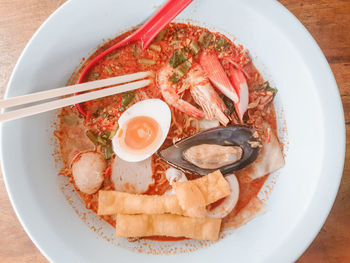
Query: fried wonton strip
(203,191)
(167,225)
(113,202)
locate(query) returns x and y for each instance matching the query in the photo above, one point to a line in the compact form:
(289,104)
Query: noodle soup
(187,62)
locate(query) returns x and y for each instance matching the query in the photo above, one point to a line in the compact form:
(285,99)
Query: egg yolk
(141,132)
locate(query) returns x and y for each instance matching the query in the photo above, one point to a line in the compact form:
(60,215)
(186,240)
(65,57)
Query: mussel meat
(228,148)
(212,156)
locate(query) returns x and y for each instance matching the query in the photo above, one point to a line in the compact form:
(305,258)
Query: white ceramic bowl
(285,53)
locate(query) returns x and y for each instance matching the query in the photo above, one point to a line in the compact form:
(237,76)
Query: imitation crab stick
(240,84)
(217,75)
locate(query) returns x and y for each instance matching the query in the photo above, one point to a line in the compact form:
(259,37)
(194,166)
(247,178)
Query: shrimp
(205,96)
(171,97)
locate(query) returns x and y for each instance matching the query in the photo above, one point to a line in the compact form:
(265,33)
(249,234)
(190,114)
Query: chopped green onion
(174,78)
(205,39)
(104,136)
(273,90)
(113,56)
(106,115)
(183,68)
(180,72)
(92,137)
(94,75)
(267,86)
(127,98)
(161,35)
(109,70)
(114,132)
(135,51)
(101,141)
(194,47)
(177,58)
(221,43)
(146,61)
(107,133)
(108,151)
(70,120)
(155,47)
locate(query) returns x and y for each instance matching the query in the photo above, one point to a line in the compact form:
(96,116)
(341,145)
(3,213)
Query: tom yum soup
(191,151)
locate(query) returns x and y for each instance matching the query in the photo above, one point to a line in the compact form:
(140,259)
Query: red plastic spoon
(145,34)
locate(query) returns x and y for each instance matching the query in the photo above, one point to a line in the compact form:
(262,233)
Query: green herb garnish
(161,35)
(101,141)
(177,58)
(221,43)
(194,47)
(174,78)
(135,51)
(127,97)
(113,56)
(92,137)
(183,68)
(267,86)
(108,152)
(146,61)
(155,47)
(205,39)
(114,132)
(109,70)
(180,71)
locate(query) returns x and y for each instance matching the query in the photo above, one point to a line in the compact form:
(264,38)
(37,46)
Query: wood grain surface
(329,23)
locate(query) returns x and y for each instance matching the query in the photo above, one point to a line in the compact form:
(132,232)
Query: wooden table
(329,23)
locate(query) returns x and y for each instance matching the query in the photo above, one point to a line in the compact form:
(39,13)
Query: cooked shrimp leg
(171,97)
(205,96)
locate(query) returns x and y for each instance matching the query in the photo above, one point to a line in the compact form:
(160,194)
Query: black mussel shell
(237,135)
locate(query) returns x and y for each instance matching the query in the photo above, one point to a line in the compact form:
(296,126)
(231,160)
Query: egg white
(153,108)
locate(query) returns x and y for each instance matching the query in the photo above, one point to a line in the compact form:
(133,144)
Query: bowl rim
(288,20)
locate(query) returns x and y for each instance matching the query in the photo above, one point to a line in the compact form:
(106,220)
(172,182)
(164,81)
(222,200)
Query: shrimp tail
(189,109)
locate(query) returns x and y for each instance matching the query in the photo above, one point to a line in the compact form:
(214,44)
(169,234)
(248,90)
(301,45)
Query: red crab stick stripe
(240,84)
(217,75)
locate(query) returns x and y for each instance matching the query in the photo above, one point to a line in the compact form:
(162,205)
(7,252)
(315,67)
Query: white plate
(284,52)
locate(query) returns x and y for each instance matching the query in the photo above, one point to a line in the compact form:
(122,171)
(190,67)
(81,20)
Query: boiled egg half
(142,130)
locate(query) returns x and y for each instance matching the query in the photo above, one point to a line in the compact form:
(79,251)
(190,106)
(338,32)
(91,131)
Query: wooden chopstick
(63,102)
(43,95)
